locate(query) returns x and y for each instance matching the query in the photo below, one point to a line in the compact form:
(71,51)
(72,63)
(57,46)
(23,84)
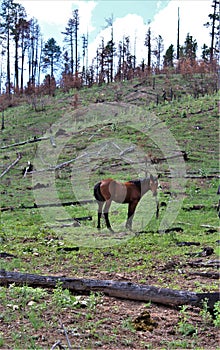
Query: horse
(129,192)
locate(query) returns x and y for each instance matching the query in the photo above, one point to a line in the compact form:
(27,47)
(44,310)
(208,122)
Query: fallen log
(200,263)
(214,275)
(64,204)
(6,209)
(44,205)
(35,139)
(7,255)
(11,165)
(83,218)
(117,289)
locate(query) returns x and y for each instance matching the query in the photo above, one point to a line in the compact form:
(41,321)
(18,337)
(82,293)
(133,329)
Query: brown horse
(129,192)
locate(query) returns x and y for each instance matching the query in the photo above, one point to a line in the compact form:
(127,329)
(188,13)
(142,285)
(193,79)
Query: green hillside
(166,125)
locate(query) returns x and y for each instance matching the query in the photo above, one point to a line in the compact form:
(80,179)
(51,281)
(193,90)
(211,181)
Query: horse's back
(117,191)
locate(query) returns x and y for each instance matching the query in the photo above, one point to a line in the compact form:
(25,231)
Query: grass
(96,134)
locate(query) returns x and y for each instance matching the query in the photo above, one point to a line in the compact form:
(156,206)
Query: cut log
(125,290)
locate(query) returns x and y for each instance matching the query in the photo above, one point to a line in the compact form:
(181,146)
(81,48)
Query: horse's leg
(157,204)
(131,210)
(106,210)
(100,206)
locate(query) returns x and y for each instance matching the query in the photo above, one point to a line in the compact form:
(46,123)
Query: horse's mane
(136,183)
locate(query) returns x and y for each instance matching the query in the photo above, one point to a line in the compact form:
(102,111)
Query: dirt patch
(111,325)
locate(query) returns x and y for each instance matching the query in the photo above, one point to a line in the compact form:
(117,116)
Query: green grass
(35,236)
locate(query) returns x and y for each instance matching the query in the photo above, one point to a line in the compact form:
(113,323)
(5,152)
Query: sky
(130,18)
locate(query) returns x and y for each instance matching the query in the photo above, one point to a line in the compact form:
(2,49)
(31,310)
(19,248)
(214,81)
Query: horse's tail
(97,193)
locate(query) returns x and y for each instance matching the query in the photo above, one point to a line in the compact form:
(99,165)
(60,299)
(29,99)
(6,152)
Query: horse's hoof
(110,229)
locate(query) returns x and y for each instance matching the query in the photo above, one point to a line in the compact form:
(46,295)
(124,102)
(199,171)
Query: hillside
(165,125)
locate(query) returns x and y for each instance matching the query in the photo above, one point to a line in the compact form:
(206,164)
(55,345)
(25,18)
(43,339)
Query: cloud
(193,15)
(159,3)
(131,26)
(57,13)
(164,23)
(51,12)
(86,9)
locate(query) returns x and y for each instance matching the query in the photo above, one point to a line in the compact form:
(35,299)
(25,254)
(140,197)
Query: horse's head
(153,184)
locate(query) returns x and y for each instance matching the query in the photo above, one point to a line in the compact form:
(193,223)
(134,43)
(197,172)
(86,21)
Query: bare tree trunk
(3,121)
(213,30)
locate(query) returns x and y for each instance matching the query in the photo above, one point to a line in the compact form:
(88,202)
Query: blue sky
(130,19)
(53,15)
(144,8)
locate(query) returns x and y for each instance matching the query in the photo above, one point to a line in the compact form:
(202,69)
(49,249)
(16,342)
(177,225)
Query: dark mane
(136,183)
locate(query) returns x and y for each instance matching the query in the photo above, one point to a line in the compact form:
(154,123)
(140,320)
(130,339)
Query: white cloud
(85,13)
(192,18)
(57,13)
(159,3)
(193,14)
(51,12)
(131,26)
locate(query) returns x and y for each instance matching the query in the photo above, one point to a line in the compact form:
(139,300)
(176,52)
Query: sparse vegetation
(38,237)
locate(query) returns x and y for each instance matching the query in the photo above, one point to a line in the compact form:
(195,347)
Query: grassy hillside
(120,130)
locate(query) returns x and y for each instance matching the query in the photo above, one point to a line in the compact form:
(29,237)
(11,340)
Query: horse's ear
(146,174)
(151,177)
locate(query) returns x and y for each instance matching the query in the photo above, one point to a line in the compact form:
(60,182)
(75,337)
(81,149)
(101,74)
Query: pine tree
(205,53)
(51,55)
(188,51)
(24,34)
(34,61)
(6,26)
(148,44)
(71,35)
(69,39)
(19,15)
(110,47)
(169,56)
(214,24)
